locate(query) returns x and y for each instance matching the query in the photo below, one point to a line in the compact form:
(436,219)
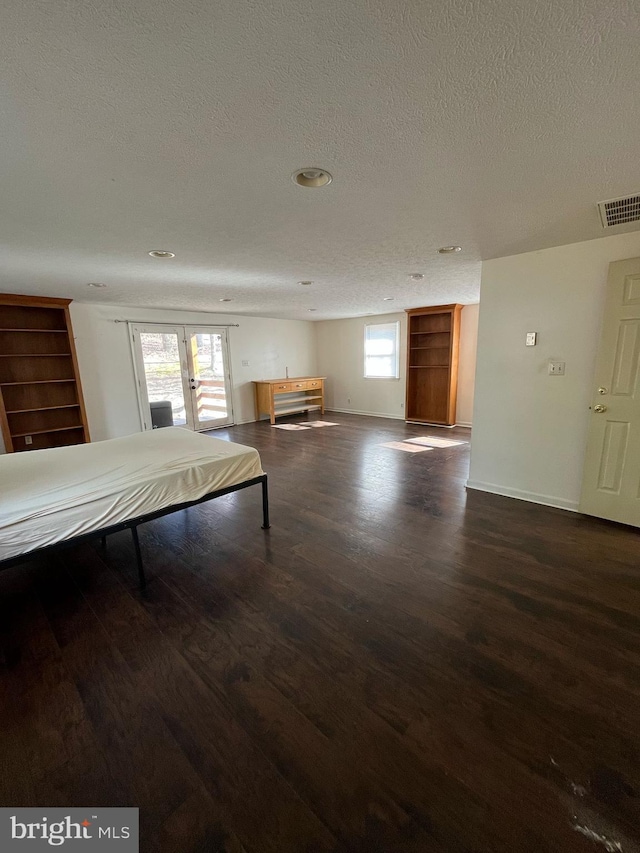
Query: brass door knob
(599,408)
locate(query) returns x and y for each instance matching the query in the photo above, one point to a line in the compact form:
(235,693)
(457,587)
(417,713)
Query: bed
(54,498)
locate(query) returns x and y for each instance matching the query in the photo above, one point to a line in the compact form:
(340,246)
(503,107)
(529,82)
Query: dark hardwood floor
(397,665)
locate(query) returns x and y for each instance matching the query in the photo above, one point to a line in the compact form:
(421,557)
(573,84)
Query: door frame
(181,330)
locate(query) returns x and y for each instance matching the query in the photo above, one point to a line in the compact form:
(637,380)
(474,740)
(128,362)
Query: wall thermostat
(531,339)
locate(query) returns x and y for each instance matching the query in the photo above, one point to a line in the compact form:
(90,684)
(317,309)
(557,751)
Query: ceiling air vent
(619,211)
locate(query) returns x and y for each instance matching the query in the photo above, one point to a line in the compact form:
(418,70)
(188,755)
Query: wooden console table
(275,397)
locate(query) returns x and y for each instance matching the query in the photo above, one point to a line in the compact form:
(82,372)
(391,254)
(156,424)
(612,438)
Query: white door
(209,376)
(182,376)
(611,481)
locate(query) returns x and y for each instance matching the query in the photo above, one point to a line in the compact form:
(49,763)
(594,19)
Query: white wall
(106,366)
(529,428)
(341,359)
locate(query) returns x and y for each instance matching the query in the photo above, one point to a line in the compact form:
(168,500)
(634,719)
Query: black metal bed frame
(132,525)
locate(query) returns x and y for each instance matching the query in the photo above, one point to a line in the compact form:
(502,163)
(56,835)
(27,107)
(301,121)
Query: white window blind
(381,350)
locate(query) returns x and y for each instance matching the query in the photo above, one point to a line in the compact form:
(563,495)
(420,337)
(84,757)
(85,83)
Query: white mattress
(47,496)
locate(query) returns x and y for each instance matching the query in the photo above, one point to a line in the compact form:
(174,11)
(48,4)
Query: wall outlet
(28,439)
(556,368)
(245,362)
(348,399)
(402,405)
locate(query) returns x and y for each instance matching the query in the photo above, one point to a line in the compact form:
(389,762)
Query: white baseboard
(427,424)
(518,494)
(345,411)
(367,414)
(396,418)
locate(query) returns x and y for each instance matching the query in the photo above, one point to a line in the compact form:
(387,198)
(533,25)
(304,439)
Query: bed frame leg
(265,504)
(136,545)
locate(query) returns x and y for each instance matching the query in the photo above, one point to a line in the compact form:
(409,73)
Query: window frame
(396,353)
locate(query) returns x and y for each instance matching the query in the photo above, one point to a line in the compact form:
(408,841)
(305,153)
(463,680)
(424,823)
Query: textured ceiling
(176,124)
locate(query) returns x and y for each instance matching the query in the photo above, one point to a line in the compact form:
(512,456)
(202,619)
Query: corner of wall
(530,428)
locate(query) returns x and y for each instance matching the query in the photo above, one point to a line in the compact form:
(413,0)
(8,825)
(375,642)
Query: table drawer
(314,383)
(299,386)
(282,387)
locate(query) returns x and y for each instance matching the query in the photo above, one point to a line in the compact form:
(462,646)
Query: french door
(182,375)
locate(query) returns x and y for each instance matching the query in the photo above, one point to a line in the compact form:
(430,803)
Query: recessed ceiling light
(449,250)
(305,283)
(387,299)
(225,299)
(312,177)
(161,253)
(96,284)
(312,309)
(416,276)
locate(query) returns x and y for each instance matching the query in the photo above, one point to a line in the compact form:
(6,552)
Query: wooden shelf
(433,332)
(437,346)
(302,399)
(44,431)
(43,409)
(40,393)
(37,381)
(35,331)
(425,366)
(295,409)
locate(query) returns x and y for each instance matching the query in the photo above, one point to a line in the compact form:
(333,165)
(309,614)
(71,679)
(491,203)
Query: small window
(382,350)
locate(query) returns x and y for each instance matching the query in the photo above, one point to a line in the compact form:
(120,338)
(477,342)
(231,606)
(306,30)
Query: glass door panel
(209,377)
(161,361)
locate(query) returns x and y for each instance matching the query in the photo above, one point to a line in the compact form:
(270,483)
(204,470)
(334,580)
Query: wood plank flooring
(397,665)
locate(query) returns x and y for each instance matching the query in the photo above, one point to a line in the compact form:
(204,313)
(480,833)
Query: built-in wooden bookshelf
(41,402)
(432,364)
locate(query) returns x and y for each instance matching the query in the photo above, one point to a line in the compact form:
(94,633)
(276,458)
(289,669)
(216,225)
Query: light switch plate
(556,368)
(531,339)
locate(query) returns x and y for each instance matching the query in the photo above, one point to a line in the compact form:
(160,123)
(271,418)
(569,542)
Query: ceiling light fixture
(416,276)
(305,283)
(449,250)
(96,284)
(311,177)
(161,253)
(387,298)
(312,309)
(225,299)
